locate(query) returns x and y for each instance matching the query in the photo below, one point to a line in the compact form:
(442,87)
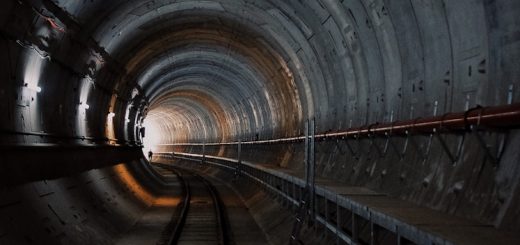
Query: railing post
(306,159)
(303,208)
(312,168)
(355,228)
(239,159)
(203,152)
(338,220)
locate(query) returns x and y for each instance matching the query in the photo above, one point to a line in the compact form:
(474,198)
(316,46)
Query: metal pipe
(493,117)
(489,117)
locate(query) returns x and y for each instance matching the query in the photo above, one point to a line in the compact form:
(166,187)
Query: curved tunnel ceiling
(258,69)
(207,68)
(240,69)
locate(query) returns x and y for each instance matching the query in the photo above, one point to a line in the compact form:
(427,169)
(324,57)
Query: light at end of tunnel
(153,136)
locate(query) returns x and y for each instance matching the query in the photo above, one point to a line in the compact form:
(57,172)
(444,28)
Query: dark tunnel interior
(261,121)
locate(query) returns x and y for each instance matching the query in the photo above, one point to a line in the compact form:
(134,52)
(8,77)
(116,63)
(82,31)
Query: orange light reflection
(140,192)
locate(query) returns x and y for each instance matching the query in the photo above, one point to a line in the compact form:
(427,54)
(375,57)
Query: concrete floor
(149,227)
(244,229)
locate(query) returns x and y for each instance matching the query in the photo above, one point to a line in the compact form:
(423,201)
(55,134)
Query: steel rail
(184,211)
(217,205)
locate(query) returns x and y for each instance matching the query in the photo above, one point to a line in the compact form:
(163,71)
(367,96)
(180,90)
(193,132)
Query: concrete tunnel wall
(218,71)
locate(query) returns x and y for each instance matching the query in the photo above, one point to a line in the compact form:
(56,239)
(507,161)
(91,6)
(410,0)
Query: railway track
(200,217)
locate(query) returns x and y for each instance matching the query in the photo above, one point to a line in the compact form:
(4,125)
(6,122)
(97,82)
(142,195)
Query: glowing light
(84,106)
(140,191)
(153,135)
(135,92)
(33,87)
(32,72)
(111,115)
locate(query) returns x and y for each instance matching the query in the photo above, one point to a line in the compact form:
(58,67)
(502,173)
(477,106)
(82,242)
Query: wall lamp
(33,87)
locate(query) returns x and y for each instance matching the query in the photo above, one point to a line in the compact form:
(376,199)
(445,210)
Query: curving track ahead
(200,218)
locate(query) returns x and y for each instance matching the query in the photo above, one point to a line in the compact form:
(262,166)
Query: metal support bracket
(340,149)
(415,145)
(356,156)
(374,145)
(394,147)
(494,157)
(454,157)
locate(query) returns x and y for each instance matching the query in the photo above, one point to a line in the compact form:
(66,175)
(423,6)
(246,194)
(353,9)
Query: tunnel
(260,122)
